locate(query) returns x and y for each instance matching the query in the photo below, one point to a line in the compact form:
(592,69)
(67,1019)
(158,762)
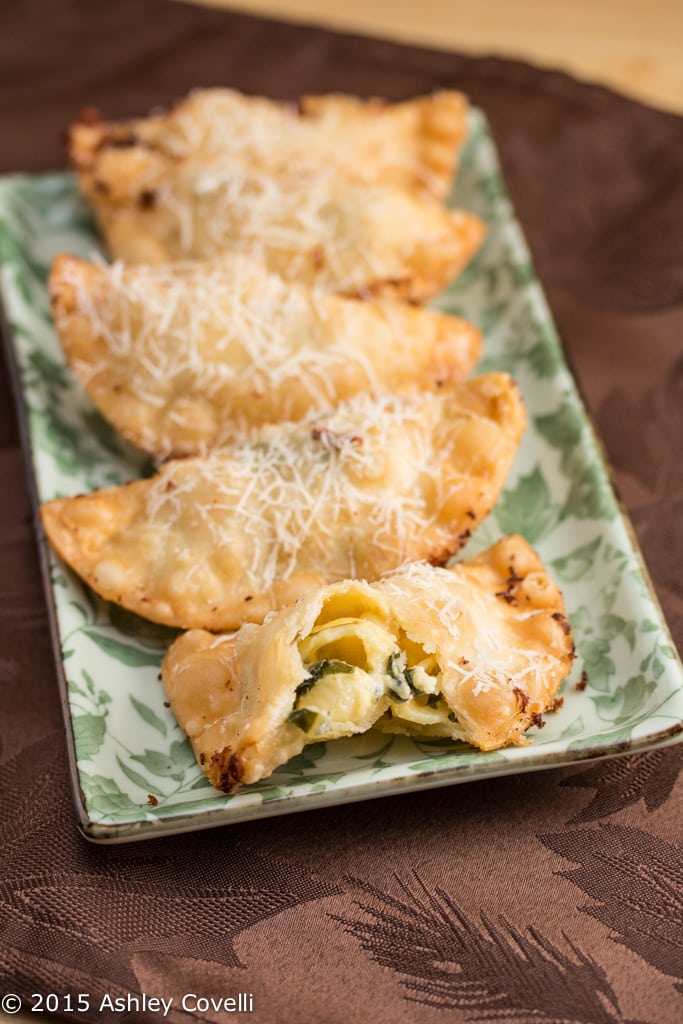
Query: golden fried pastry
(213,542)
(475,652)
(318,229)
(183,357)
(412,145)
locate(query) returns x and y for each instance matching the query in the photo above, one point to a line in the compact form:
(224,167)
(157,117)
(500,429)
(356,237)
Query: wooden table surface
(634,46)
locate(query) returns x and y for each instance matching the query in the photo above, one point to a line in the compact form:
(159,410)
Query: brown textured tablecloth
(552,897)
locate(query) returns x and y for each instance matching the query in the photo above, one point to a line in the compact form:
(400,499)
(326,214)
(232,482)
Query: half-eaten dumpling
(475,652)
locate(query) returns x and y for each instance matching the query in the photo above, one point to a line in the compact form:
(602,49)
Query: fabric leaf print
(636,880)
(619,783)
(486,970)
(100,906)
(527,508)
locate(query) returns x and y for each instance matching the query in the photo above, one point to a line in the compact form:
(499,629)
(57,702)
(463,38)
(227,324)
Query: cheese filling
(358,669)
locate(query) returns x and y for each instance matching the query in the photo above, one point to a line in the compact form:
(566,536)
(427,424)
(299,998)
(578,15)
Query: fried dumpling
(216,541)
(317,229)
(183,357)
(412,145)
(475,653)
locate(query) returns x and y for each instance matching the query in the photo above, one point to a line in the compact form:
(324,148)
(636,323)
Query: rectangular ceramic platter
(134,772)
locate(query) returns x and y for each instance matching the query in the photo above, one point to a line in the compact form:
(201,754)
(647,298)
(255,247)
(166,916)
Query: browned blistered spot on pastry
(147,199)
(170,486)
(522,696)
(463,661)
(556,704)
(511,582)
(471,513)
(126,141)
(563,622)
(443,556)
(583,681)
(537,720)
(227,771)
(101,186)
(202,758)
(249,597)
(318,257)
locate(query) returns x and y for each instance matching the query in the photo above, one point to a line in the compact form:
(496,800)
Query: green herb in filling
(327,667)
(403,676)
(303,719)
(316,671)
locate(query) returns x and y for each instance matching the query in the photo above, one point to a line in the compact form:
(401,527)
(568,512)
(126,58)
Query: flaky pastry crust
(475,653)
(183,357)
(412,145)
(213,542)
(179,186)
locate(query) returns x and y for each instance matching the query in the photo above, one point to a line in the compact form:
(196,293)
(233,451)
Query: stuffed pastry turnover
(317,228)
(412,145)
(183,357)
(216,541)
(475,652)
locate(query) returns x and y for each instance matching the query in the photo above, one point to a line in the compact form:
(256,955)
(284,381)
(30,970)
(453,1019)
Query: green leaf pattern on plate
(135,766)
